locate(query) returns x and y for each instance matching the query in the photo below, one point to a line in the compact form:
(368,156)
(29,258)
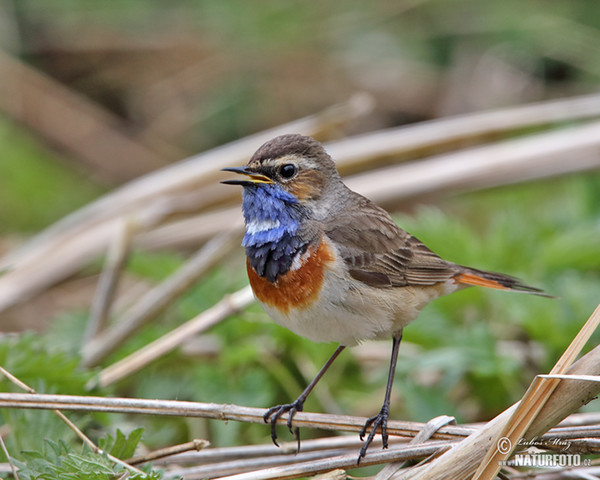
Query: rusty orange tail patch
(472,279)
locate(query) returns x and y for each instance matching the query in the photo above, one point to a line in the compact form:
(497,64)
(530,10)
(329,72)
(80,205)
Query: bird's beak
(253,177)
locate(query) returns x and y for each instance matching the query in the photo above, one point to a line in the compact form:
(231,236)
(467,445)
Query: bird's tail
(499,281)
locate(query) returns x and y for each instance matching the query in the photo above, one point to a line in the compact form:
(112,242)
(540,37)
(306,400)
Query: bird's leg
(380,420)
(297,405)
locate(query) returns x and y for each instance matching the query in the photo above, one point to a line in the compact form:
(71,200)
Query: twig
(511,161)
(425,434)
(154,301)
(238,413)
(87,131)
(534,157)
(591,473)
(13,469)
(185,175)
(227,412)
(70,424)
(411,452)
(214,411)
(132,363)
(533,401)
(196,445)
(432,136)
(227,454)
(464,458)
(116,258)
(232,460)
(65,247)
(248,465)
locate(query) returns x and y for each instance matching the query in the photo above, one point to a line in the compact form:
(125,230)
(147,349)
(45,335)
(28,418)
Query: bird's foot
(378,421)
(277,411)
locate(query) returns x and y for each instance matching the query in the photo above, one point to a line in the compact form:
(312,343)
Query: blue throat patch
(273,218)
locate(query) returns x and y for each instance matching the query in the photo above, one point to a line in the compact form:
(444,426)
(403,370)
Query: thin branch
(213,410)
(13,469)
(186,175)
(89,132)
(158,298)
(226,412)
(70,424)
(464,458)
(228,454)
(512,161)
(432,136)
(116,258)
(533,401)
(230,304)
(196,445)
(303,419)
(68,245)
(411,452)
(234,467)
(425,434)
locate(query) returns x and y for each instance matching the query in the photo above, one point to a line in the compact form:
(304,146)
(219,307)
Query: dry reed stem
(216,411)
(158,298)
(234,467)
(195,445)
(232,459)
(90,133)
(425,434)
(13,469)
(83,437)
(227,306)
(533,401)
(512,161)
(183,176)
(116,258)
(226,455)
(69,244)
(464,458)
(334,422)
(592,473)
(434,135)
(295,470)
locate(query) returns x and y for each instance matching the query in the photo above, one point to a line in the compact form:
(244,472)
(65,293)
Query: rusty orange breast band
(297,288)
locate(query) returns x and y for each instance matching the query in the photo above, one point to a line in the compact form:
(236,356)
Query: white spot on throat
(256,226)
(299,260)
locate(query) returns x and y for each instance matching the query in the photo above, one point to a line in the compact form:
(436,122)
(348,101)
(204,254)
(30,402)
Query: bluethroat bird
(332,266)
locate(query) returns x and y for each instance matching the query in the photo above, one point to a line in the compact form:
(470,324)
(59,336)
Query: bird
(332,266)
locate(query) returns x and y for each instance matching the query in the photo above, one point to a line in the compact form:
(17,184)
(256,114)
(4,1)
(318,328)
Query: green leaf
(123,446)
(59,461)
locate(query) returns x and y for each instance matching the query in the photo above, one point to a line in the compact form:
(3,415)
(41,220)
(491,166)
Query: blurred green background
(176,78)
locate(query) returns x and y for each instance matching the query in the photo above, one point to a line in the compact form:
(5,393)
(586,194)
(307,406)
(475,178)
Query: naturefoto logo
(535,458)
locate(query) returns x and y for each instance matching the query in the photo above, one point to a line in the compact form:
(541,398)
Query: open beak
(252,177)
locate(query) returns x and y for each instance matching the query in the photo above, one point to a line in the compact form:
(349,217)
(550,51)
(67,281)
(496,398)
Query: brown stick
(153,302)
(69,423)
(132,363)
(85,130)
(463,459)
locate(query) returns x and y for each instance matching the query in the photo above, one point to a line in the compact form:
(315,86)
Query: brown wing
(379,253)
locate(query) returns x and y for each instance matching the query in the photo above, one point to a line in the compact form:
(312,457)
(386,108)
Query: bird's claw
(273,414)
(378,421)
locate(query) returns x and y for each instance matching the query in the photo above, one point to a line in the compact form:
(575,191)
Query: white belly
(349,312)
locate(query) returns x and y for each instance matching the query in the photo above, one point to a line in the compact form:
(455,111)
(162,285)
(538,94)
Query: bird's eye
(287,170)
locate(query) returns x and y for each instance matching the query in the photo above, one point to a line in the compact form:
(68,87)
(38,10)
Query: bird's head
(291,168)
